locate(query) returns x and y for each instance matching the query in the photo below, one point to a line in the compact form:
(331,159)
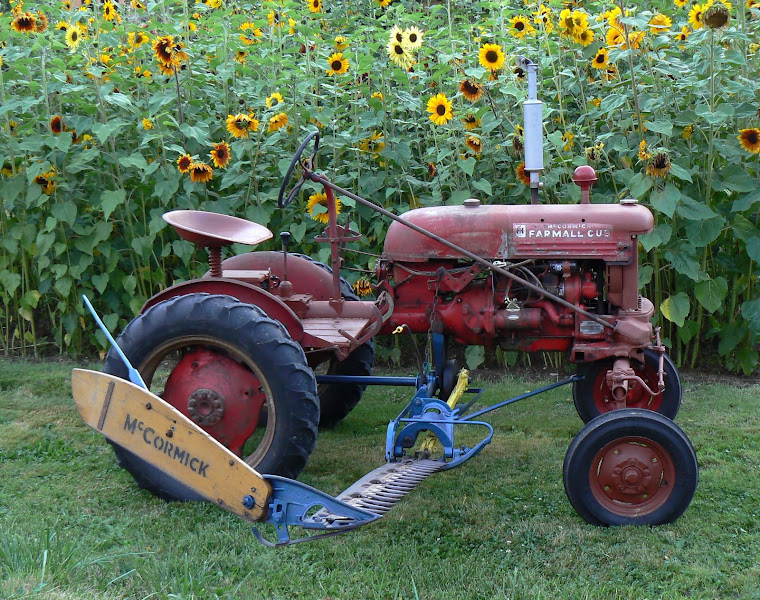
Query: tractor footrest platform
(379,490)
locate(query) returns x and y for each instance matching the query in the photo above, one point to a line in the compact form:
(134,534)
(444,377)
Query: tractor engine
(584,253)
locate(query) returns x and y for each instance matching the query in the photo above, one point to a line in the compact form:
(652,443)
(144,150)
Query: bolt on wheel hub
(205,407)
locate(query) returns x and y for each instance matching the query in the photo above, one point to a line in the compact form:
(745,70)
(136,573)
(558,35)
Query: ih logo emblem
(521,231)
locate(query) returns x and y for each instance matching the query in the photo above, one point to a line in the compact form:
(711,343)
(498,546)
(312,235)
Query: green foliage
(90,138)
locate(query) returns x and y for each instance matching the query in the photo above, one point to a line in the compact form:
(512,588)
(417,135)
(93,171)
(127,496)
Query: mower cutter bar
(379,490)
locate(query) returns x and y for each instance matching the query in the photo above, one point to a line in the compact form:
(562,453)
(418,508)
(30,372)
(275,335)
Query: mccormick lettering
(161,444)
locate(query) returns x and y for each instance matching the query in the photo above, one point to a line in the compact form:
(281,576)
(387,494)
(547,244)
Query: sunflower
(220,155)
(520,26)
(277,122)
(660,23)
(696,17)
(240,56)
(253,123)
(717,15)
(340,43)
(184,163)
(338,64)
(750,139)
(200,172)
(432,170)
(384,3)
(584,37)
(274,99)
(687,132)
(601,59)
(470,122)
(362,287)
(45,181)
(62,26)
(680,3)
(167,69)
(320,199)
(24,23)
(491,57)
(163,49)
(571,23)
(250,33)
(42,22)
(643,154)
(474,143)
(660,165)
(594,153)
(522,175)
(439,107)
(377,95)
(517,144)
(685,31)
(396,34)
(238,125)
(147,124)
(56,124)
(135,39)
(412,37)
(373,144)
(400,55)
(137,5)
(568,138)
(615,37)
(110,13)
(276,19)
(471,90)
(543,18)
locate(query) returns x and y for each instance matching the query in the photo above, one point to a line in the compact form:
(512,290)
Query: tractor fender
(244,292)
(306,275)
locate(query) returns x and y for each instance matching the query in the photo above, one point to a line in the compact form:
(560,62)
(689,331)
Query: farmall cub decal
(580,232)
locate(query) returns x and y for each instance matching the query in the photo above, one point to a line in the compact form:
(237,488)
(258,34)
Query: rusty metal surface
(209,229)
(600,231)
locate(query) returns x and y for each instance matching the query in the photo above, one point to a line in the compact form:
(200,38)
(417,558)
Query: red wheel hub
(637,396)
(632,476)
(221,395)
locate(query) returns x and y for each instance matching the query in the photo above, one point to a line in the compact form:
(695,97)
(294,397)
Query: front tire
(630,467)
(231,369)
(593,397)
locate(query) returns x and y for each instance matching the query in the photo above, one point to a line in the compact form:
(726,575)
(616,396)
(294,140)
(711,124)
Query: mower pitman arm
(155,431)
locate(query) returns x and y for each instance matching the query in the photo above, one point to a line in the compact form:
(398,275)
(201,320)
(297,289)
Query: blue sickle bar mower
(131,416)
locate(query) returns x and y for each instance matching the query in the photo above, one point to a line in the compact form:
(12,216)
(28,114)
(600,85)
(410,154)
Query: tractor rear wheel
(630,467)
(232,370)
(593,397)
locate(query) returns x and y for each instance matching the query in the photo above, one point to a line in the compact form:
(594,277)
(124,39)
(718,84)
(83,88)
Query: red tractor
(269,345)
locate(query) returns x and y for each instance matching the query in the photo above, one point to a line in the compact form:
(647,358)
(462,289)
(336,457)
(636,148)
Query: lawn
(76,527)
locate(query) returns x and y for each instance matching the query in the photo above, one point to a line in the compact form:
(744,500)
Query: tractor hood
(601,231)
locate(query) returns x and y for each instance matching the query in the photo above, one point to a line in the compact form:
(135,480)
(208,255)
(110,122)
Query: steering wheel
(283,201)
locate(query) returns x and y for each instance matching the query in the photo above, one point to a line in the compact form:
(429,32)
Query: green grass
(74,526)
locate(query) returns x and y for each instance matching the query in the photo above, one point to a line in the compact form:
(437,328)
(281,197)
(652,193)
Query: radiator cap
(472,203)
(628,201)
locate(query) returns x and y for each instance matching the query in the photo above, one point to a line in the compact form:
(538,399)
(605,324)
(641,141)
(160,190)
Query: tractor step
(379,490)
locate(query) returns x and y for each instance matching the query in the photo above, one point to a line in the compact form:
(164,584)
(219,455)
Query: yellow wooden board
(155,431)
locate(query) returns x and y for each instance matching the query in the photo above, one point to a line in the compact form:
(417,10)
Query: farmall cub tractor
(231,357)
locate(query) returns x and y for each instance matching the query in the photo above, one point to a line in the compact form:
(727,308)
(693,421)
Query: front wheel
(630,467)
(232,370)
(593,397)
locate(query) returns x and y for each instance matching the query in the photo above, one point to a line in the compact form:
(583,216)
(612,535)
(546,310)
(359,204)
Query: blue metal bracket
(134,374)
(290,504)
